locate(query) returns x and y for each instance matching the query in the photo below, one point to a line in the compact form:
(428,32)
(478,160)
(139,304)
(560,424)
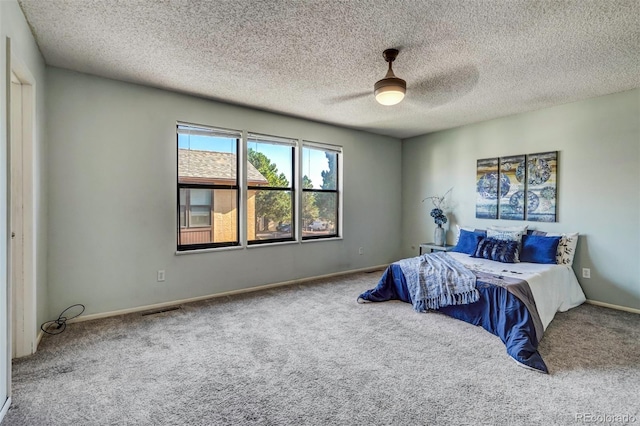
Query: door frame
(27,341)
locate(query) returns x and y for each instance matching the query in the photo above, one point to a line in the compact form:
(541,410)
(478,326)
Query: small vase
(438,236)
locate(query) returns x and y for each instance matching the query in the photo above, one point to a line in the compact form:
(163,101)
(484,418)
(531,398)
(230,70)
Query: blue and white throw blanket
(436,280)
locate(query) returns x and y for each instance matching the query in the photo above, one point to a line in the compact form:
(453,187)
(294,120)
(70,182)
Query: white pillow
(507,233)
(566,247)
(522,228)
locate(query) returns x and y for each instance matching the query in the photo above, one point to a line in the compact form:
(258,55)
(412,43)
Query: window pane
(269,164)
(319,168)
(319,213)
(207,159)
(225,215)
(208,186)
(217,224)
(269,214)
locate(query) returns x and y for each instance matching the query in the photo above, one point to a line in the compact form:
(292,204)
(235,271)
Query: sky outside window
(280,155)
(314,162)
(206,143)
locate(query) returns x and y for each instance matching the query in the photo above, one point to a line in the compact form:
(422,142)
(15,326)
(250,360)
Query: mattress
(555,288)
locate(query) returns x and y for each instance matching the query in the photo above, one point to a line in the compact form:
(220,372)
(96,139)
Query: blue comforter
(497,311)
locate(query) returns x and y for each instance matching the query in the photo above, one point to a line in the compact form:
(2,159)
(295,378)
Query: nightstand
(433,247)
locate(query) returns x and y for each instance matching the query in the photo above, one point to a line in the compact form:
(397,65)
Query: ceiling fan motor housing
(391,89)
(389,82)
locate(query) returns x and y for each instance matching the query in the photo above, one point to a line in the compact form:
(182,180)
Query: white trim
(322,146)
(277,243)
(6,277)
(28,83)
(612,306)
(315,240)
(204,130)
(217,295)
(5,408)
(208,250)
(38,339)
(340,177)
(297,171)
(242,177)
(270,139)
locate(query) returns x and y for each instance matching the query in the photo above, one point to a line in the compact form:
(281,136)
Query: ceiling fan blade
(445,86)
(346,98)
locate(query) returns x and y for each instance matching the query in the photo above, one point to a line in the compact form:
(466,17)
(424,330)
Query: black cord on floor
(60,323)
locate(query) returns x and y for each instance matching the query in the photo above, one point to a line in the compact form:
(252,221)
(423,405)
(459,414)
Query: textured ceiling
(464,61)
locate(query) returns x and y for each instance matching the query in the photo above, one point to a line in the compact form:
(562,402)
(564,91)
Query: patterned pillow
(566,246)
(508,234)
(497,250)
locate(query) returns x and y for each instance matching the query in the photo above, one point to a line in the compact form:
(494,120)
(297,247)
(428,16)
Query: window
(270,189)
(208,190)
(320,191)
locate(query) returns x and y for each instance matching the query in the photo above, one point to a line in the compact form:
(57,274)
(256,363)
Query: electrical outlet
(161,275)
(586,273)
(361,250)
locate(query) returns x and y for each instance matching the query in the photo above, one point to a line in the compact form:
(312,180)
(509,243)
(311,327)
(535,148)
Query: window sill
(208,250)
(279,243)
(316,240)
(255,246)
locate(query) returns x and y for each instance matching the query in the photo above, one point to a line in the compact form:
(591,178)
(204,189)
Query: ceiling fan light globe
(390,91)
(389,97)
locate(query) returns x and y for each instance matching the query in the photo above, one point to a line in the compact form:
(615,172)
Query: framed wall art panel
(512,194)
(487,182)
(542,171)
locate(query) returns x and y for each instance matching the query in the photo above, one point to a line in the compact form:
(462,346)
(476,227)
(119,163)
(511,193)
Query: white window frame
(339,189)
(206,130)
(275,140)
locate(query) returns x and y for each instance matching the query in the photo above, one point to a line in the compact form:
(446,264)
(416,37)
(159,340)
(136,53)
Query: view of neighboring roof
(213,165)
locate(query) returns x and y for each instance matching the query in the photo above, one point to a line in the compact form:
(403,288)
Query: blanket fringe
(464,298)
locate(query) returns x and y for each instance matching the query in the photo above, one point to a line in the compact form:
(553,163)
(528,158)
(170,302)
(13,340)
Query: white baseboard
(612,306)
(38,339)
(5,408)
(212,296)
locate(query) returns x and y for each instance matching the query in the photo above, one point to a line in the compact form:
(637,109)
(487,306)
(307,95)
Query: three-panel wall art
(517,187)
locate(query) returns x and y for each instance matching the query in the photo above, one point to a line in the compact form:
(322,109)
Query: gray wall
(112,213)
(598,184)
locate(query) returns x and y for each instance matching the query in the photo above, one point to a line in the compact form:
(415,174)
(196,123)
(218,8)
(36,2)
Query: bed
(516,301)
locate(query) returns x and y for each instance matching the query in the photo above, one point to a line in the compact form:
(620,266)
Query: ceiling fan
(388,91)
(391,89)
(437,89)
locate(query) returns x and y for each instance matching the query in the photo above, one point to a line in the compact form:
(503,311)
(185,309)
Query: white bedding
(555,288)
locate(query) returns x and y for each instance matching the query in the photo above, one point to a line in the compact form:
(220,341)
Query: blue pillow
(539,249)
(467,242)
(497,250)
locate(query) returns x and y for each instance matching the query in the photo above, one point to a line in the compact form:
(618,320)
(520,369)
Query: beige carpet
(309,354)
